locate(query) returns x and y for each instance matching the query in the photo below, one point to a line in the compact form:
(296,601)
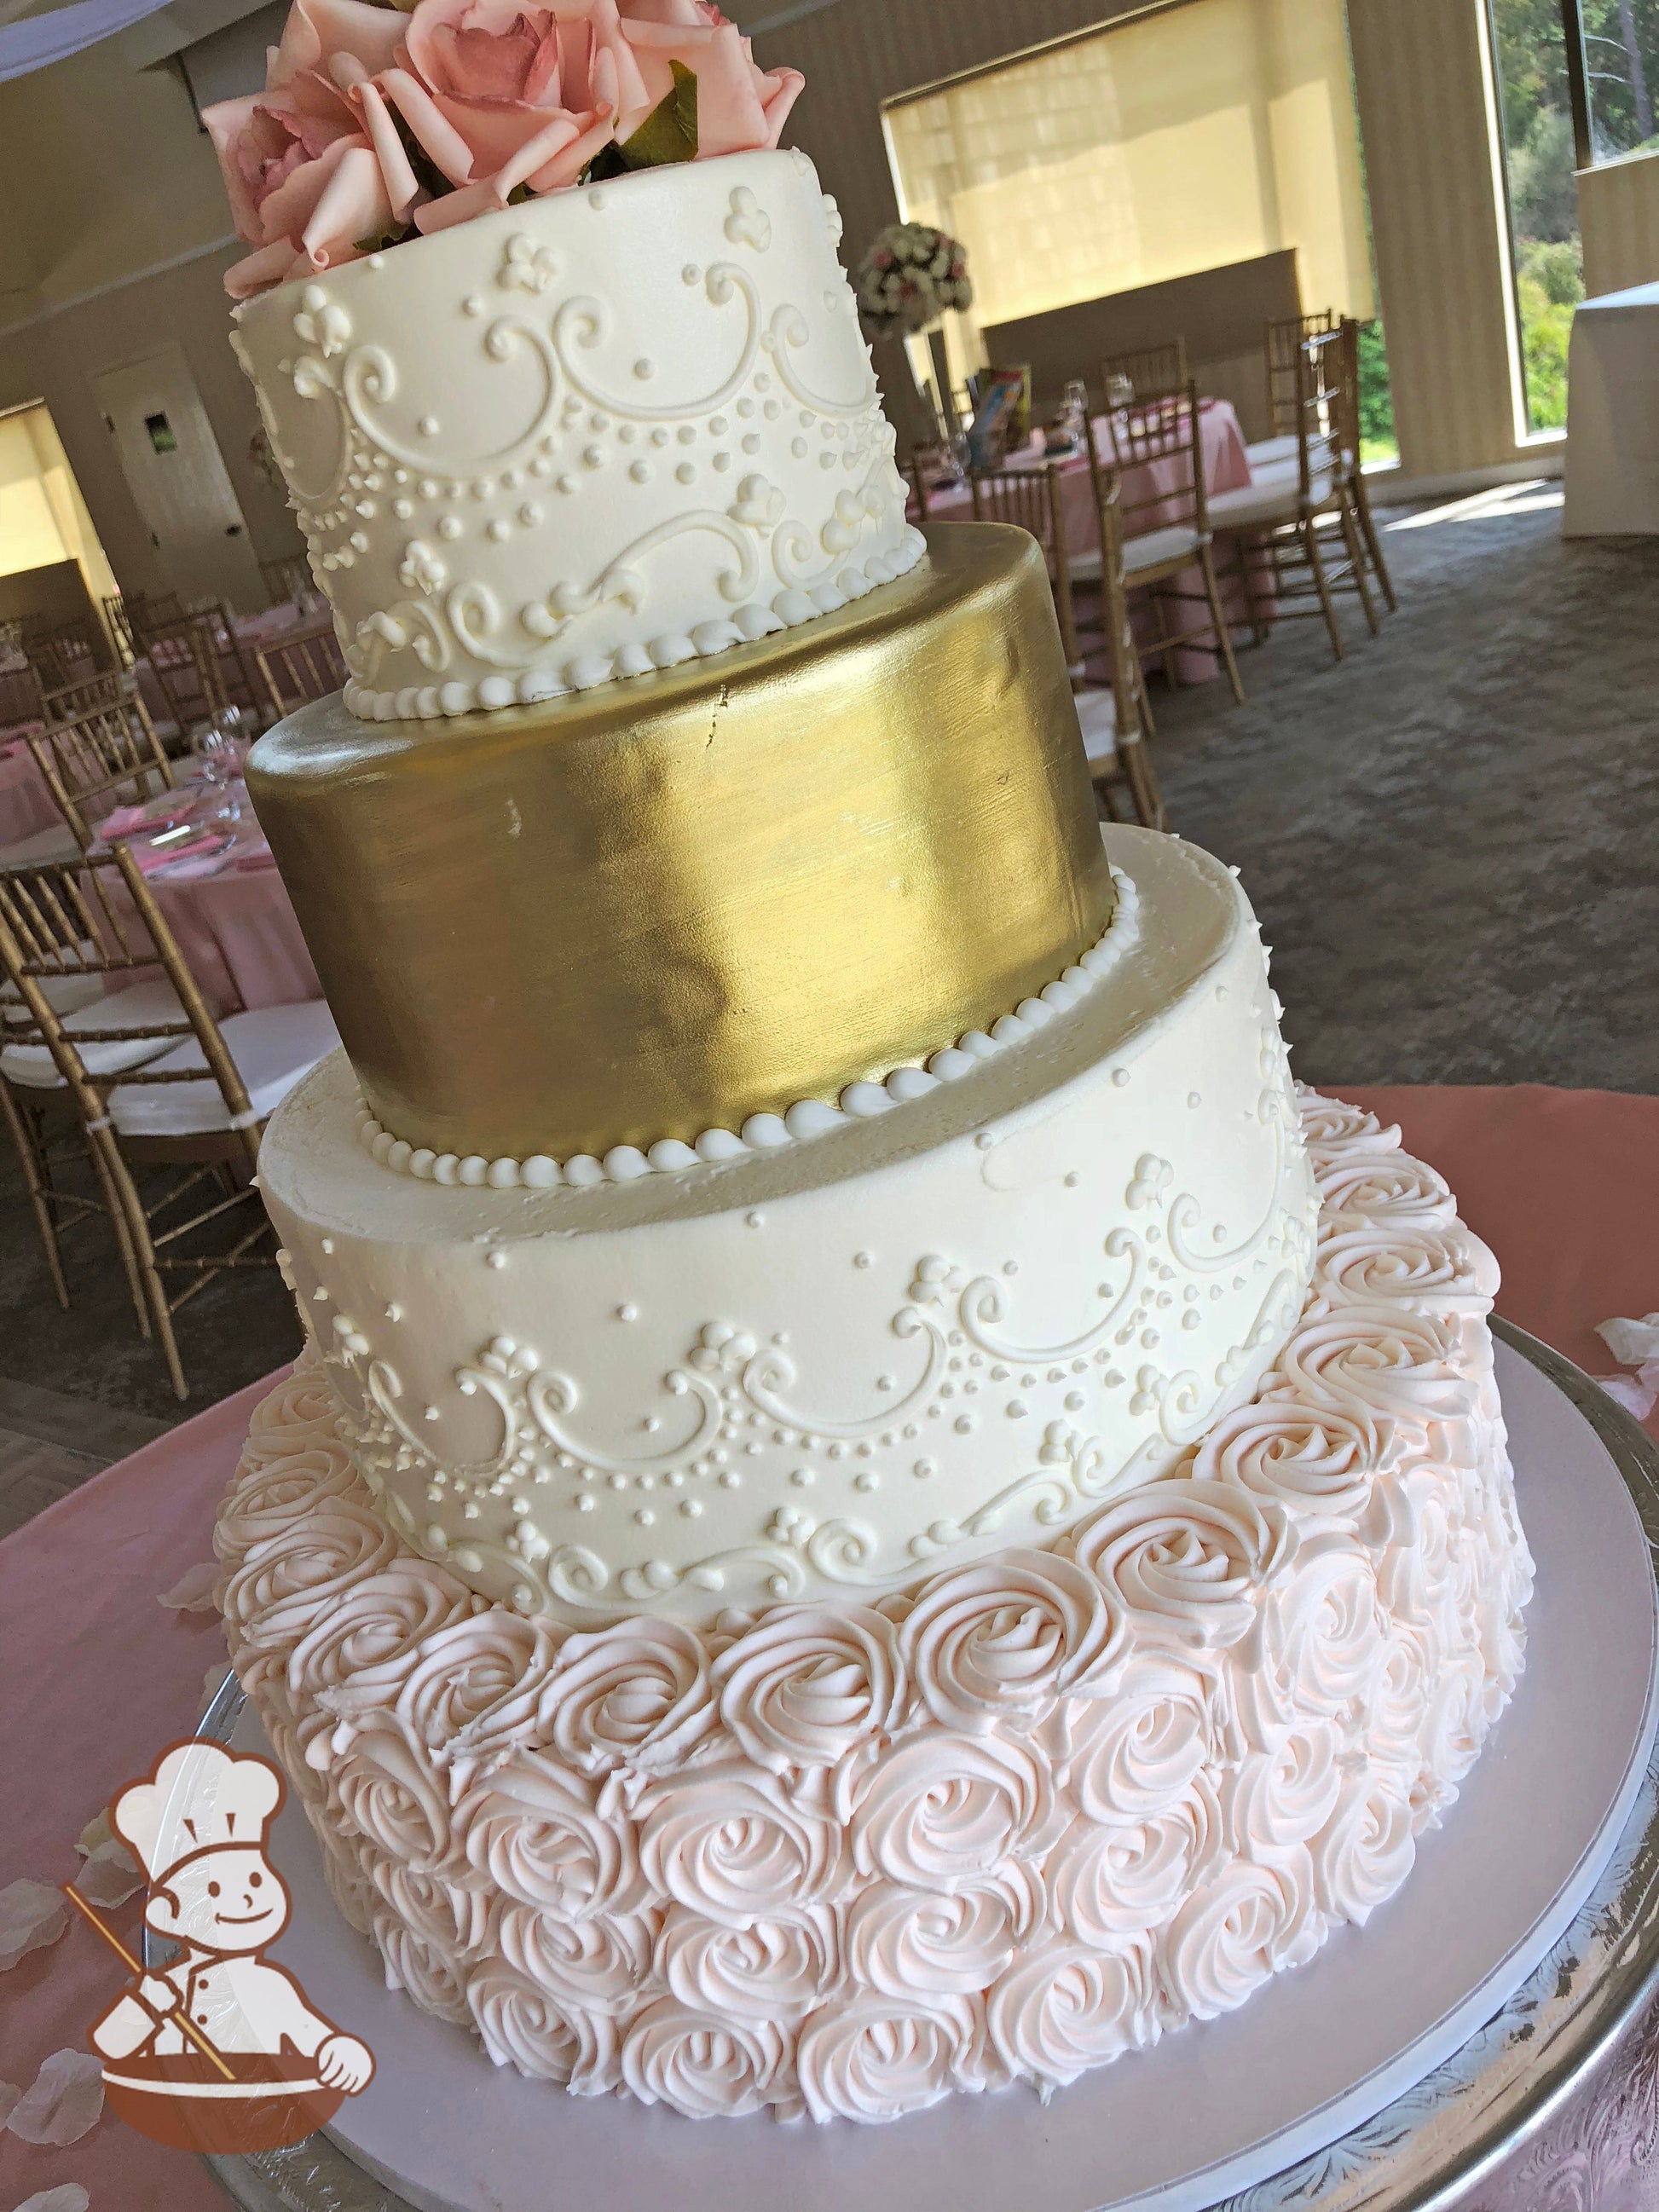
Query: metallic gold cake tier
(662,906)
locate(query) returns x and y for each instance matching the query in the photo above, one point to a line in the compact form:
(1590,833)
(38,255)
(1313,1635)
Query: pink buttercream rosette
(373,121)
(846,1860)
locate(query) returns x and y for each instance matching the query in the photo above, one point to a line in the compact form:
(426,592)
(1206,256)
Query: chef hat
(202,1798)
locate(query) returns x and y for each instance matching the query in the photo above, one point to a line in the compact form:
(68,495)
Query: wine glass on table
(222,747)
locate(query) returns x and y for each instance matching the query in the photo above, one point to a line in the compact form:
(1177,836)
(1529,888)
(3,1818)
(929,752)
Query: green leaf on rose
(668,134)
(431,178)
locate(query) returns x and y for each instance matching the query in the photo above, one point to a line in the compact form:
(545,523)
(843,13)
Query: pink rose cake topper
(377,125)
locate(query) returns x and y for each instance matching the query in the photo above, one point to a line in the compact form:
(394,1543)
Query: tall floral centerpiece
(910,277)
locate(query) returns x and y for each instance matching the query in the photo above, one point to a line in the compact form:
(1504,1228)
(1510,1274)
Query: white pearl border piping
(765,1133)
(746,625)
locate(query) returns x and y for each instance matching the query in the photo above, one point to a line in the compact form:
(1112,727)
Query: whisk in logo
(221,2049)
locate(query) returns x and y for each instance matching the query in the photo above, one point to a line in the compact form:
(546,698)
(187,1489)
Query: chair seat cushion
(146,1006)
(1259,506)
(1267,452)
(273,1046)
(65,994)
(1153,548)
(1097,713)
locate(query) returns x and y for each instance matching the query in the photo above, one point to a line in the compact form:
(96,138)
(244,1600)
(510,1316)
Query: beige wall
(103,172)
(1619,218)
(1423,108)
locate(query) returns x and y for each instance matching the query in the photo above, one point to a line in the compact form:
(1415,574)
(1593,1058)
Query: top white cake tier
(604,432)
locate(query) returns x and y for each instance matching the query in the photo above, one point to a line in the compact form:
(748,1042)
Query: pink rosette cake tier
(1010,1823)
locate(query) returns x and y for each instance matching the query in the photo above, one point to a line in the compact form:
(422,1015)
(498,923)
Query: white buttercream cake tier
(609,430)
(819,1370)
(1009,1823)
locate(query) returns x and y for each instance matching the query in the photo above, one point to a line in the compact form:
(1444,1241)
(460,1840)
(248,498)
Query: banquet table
(239,937)
(20,692)
(1612,485)
(1564,1184)
(27,806)
(1226,468)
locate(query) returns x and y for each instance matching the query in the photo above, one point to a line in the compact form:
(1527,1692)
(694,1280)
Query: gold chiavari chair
(1029,498)
(119,622)
(1282,340)
(66,701)
(153,607)
(1275,523)
(66,653)
(307,664)
(1355,474)
(117,1029)
(286,577)
(1113,716)
(106,757)
(1166,527)
(198,1105)
(1154,373)
(200,665)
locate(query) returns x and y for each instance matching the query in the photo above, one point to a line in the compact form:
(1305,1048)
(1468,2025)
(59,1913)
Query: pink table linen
(1226,468)
(1565,1185)
(27,806)
(238,935)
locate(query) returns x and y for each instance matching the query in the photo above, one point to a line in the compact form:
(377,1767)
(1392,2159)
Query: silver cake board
(1221,2107)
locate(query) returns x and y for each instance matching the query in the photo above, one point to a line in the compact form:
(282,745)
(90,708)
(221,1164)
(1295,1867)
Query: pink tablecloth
(1226,468)
(27,806)
(98,1677)
(239,937)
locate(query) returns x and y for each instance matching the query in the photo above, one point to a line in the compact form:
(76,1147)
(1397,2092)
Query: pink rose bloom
(303,179)
(499,95)
(741,107)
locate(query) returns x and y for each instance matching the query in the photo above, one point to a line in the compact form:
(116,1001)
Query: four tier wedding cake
(876,1504)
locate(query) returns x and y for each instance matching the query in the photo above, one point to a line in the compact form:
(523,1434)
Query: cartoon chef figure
(198,1829)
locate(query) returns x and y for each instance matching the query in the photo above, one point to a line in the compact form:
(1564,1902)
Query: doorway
(178,479)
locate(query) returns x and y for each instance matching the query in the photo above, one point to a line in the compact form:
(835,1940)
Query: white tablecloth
(1613,417)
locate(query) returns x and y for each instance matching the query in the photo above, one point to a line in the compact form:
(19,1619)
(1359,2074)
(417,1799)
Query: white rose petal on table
(110,1875)
(111,1872)
(67,2196)
(1632,1344)
(31,1914)
(9,2097)
(64,2101)
(193,1592)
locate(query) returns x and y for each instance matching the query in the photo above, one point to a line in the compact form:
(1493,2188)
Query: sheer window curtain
(1210,133)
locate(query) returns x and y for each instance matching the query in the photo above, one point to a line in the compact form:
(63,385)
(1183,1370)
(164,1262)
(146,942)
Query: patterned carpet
(1452,838)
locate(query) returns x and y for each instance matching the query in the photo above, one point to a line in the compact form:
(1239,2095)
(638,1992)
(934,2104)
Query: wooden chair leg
(1373,543)
(1224,636)
(132,1206)
(118,1221)
(1357,559)
(1137,772)
(1309,537)
(37,1177)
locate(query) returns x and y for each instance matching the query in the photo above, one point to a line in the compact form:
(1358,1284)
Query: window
(1535,114)
(1611,57)
(1193,136)
(43,518)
